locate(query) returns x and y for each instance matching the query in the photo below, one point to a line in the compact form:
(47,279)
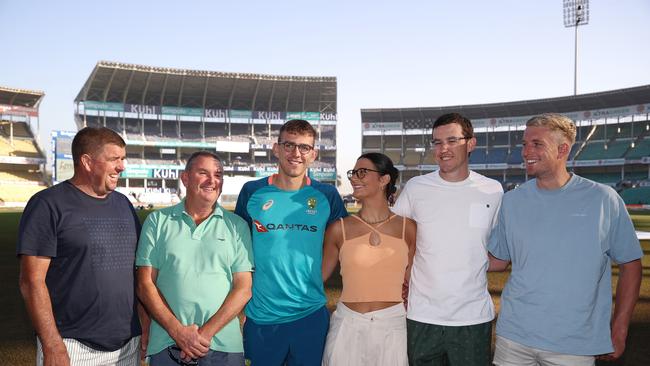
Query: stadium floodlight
(576,13)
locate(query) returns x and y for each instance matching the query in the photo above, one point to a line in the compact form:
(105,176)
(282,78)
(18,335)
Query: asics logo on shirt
(267,205)
(297,227)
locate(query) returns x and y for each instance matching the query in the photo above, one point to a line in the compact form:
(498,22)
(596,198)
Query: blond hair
(556,123)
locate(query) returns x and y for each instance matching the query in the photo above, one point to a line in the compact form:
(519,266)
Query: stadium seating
(481,139)
(414,141)
(635,196)
(19,176)
(496,155)
(25,148)
(574,150)
(151,128)
(636,176)
(515,156)
(393,142)
(170,130)
(583,132)
(20,129)
(478,156)
(497,138)
(394,155)
(412,157)
(597,135)
(516,138)
(605,178)
(428,159)
(5,148)
(641,149)
(18,192)
(372,142)
(408,174)
(597,151)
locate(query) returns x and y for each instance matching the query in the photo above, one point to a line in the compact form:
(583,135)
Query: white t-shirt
(448,279)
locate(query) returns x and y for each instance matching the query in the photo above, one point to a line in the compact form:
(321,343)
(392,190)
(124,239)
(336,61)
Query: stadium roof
(20,97)
(424,117)
(158,86)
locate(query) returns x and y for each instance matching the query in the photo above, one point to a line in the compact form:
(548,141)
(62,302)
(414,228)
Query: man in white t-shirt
(450,312)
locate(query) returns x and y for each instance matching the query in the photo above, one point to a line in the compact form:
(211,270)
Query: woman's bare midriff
(366,307)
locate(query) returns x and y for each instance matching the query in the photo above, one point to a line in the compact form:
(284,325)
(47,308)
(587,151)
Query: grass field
(17,339)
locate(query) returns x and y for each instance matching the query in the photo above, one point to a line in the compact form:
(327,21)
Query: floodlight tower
(576,13)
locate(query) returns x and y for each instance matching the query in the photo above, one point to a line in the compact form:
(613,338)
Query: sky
(385,54)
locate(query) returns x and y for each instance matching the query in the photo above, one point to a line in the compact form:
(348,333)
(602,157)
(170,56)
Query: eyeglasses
(450,141)
(360,173)
(175,354)
(291,146)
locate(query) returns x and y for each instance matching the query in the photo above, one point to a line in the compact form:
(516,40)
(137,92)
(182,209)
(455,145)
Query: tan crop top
(373,273)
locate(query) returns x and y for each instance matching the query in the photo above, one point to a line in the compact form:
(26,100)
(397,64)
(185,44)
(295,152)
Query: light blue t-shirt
(561,243)
(287,231)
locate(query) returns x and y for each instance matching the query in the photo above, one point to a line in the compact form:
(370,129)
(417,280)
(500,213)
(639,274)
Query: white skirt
(376,338)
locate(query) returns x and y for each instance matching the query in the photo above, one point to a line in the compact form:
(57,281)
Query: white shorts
(510,353)
(82,355)
(376,338)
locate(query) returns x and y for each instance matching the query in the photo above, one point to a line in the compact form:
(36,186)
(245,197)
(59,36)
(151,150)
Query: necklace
(374,222)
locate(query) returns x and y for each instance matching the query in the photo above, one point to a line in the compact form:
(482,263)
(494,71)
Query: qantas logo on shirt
(259,227)
(297,227)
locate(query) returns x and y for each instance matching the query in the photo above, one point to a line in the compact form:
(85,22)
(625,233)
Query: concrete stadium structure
(22,160)
(612,147)
(165,114)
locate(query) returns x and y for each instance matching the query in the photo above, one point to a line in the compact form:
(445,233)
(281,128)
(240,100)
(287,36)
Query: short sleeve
(623,243)
(37,229)
(146,255)
(337,208)
(402,206)
(242,203)
(243,248)
(498,242)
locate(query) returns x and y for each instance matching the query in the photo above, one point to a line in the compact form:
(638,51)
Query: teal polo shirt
(195,266)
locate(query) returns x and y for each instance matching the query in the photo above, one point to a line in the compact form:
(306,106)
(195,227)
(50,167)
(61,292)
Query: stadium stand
(478,156)
(640,150)
(636,196)
(167,114)
(612,143)
(412,157)
(22,161)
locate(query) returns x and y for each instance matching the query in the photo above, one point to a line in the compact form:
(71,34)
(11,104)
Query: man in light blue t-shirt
(286,319)
(194,273)
(561,232)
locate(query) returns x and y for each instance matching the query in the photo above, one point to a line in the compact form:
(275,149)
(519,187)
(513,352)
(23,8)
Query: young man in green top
(194,264)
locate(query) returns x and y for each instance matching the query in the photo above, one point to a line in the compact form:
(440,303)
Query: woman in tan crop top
(375,249)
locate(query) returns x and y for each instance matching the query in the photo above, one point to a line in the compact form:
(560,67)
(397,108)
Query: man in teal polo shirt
(194,264)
